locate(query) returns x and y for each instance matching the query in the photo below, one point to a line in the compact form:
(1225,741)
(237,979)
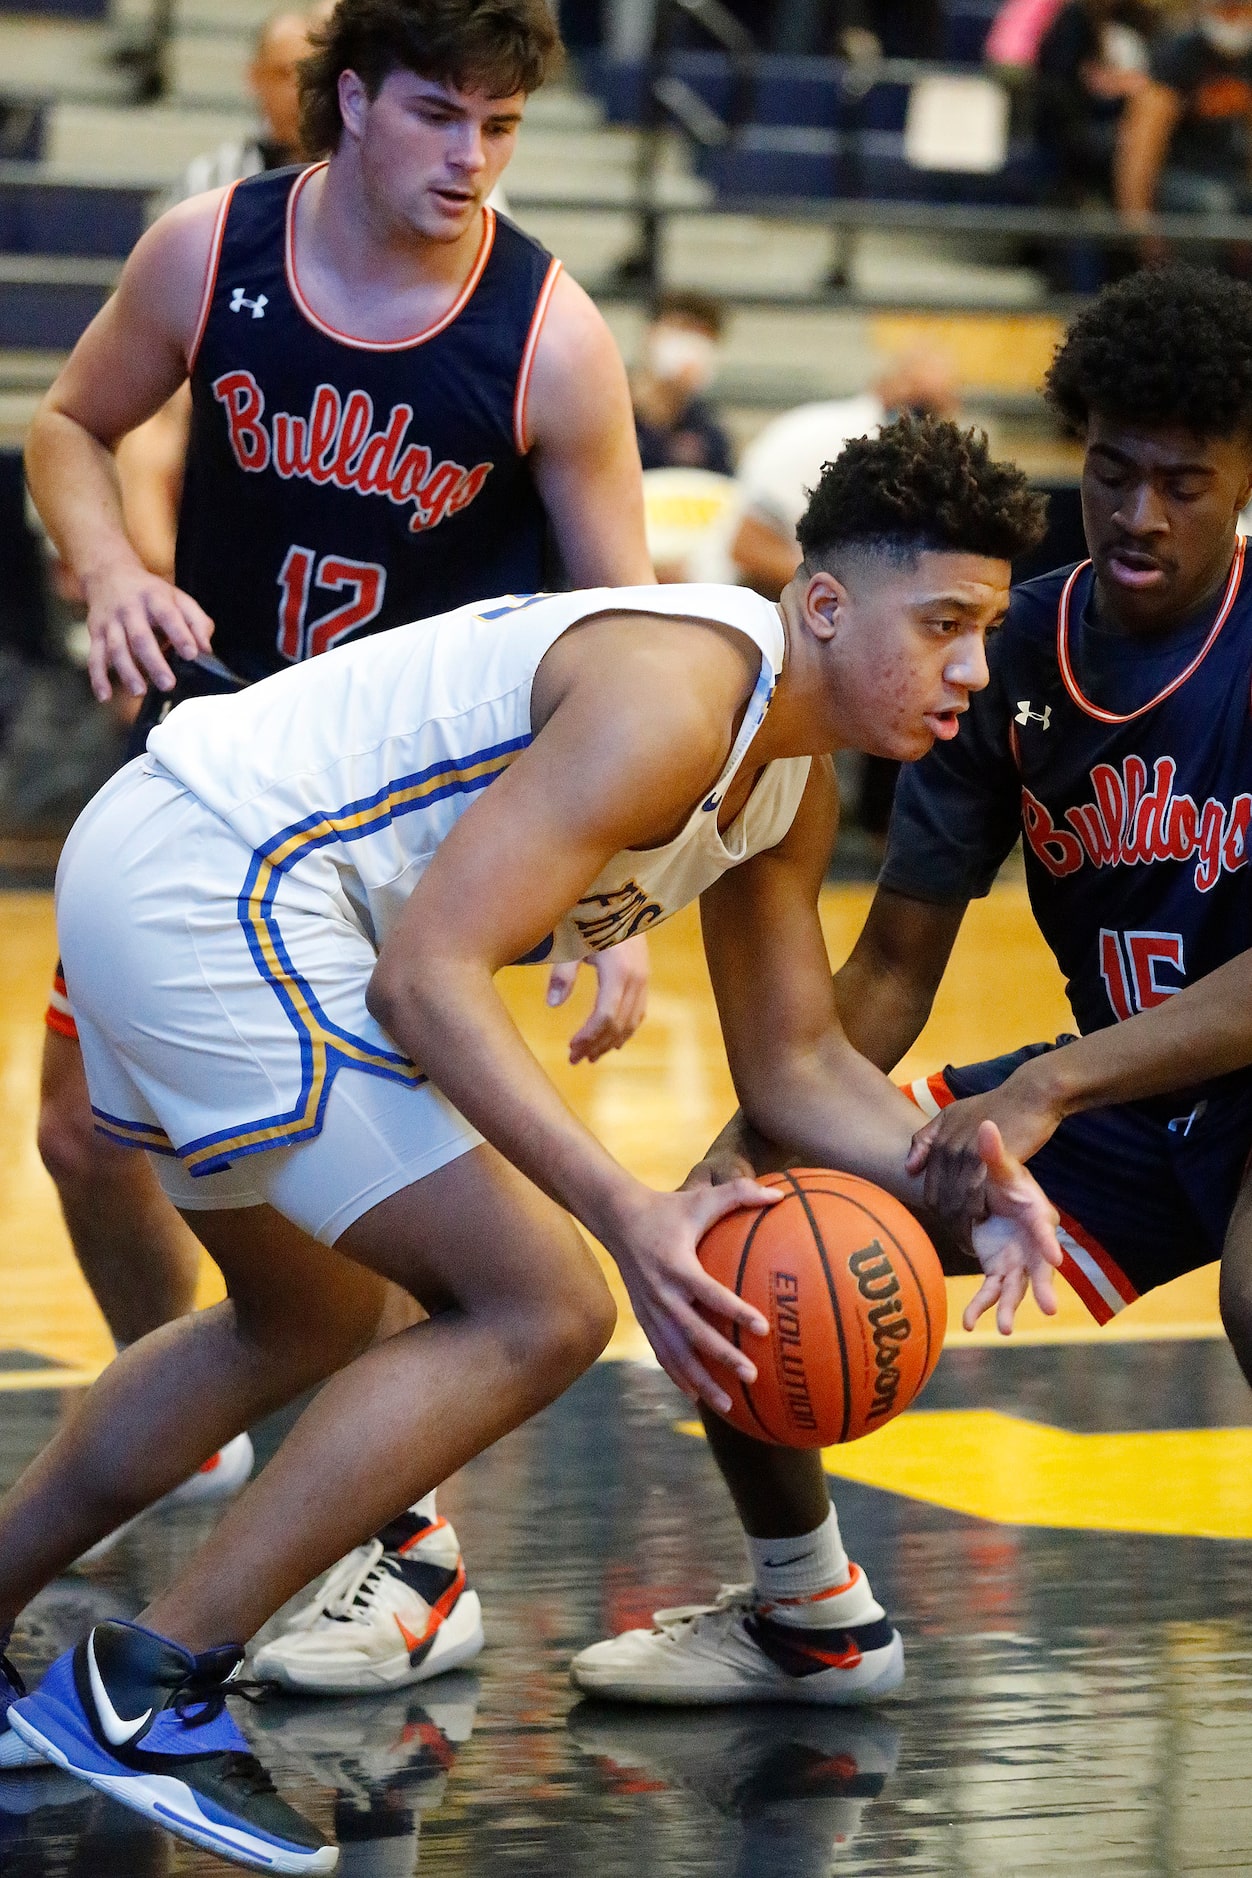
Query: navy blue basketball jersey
(1126,767)
(335,486)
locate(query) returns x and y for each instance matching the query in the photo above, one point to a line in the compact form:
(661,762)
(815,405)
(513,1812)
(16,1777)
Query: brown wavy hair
(496,46)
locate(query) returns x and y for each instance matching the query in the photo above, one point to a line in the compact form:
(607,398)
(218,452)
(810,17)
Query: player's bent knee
(69,1146)
(569,1330)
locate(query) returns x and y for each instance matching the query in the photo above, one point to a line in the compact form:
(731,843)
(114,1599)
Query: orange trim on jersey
(210,277)
(528,357)
(1081,1284)
(1128,717)
(939,1090)
(59,1016)
(381,345)
(62,1022)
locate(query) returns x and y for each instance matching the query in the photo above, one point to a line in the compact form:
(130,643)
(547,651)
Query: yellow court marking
(1192,1483)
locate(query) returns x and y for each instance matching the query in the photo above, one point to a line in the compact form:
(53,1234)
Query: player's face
(430,154)
(1159,509)
(908,646)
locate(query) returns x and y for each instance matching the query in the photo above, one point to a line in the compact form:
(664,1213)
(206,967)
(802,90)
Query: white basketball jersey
(367,756)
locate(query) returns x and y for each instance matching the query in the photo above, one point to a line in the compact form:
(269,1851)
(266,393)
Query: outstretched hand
(1015,1242)
(621,998)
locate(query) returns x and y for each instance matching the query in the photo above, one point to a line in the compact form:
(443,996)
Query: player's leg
(518,1309)
(1235,1284)
(298,1312)
(139,1258)
(135,1252)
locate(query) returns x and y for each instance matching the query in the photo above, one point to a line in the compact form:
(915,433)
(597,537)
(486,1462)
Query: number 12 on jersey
(1129,962)
(365,583)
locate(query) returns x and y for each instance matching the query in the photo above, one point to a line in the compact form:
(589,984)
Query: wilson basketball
(854,1296)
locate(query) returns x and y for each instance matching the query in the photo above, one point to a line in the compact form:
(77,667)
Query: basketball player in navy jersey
(395,395)
(1115,738)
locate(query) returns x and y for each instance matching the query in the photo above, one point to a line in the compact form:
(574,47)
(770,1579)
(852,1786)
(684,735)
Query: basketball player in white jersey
(283,925)
(396,255)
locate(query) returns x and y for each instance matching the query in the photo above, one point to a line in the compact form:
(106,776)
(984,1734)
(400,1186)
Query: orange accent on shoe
(438,1611)
(436,1525)
(411,1642)
(816,1597)
(835,1659)
(214,1460)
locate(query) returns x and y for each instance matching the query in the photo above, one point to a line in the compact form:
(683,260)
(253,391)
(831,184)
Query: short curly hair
(500,46)
(921,484)
(1165,346)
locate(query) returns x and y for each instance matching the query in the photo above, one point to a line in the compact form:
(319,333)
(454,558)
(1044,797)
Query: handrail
(667,95)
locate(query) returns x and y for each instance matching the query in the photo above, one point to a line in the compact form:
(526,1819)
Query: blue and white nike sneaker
(13,1750)
(145,1721)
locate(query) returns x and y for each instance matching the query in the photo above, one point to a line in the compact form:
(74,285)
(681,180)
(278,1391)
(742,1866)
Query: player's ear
(353,102)
(823,599)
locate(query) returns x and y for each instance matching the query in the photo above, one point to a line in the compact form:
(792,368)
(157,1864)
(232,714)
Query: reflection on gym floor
(1076,1700)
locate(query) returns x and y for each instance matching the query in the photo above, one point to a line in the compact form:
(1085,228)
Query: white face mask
(678,352)
(1227,35)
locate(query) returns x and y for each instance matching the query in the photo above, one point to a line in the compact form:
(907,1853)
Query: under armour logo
(239,300)
(1026,716)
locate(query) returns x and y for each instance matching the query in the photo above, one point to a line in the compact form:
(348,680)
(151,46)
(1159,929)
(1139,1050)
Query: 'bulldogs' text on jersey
(1126,766)
(336,486)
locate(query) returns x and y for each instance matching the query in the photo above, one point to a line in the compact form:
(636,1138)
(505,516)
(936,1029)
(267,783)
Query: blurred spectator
(1184,142)
(1017,32)
(676,425)
(273,79)
(1092,61)
(784,462)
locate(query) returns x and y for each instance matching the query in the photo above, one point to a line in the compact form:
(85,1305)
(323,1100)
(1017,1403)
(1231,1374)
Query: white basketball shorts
(227,1033)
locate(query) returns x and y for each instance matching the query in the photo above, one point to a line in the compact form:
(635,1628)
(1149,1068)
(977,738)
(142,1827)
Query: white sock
(801,1567)
(425,1507)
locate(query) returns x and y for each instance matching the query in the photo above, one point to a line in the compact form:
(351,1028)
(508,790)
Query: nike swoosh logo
(411,1642)
(848,1658)
(116,1729)
(776,1564)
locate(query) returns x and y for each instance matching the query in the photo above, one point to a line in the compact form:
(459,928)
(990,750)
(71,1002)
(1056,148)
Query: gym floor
(1062,1531)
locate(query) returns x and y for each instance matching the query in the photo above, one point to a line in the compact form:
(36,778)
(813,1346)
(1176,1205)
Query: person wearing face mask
(675,424)
(1184,141)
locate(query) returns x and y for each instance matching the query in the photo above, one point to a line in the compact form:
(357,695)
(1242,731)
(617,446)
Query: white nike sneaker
(396,1610)
(223,1474)
(736,1651)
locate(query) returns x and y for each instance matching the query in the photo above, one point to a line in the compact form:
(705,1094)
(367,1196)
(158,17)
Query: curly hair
(1168,345)
(497,46)
(921,484)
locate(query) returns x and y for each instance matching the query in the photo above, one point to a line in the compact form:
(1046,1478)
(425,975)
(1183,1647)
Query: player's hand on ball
(672,1294)
(1015,1243)
(129,612)
(621,998)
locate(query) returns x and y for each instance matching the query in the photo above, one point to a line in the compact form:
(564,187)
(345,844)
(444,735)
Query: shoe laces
(732,1602)
(206,1692)
(357,1590)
